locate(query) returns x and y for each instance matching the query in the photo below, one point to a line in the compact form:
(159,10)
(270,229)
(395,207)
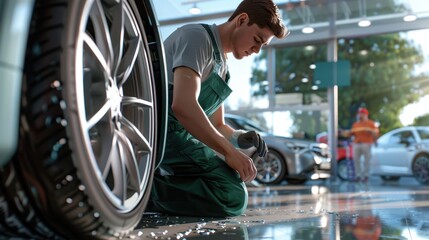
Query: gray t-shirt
(191,46)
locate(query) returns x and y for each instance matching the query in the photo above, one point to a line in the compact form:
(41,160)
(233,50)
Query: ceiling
(385,15)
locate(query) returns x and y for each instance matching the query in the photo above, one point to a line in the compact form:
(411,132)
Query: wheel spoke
(101,31)
(94,54)
(135,135)
(128,60)
(104,162)
(99,114)
(119,170)
(117,31)
(136,101)
(131,164)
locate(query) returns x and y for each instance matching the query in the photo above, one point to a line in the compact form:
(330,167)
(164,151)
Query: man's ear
(241,19)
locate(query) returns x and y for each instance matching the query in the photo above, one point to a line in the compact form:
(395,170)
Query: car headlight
(317,159)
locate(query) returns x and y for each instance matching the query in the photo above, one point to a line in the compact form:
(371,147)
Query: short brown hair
(264,13)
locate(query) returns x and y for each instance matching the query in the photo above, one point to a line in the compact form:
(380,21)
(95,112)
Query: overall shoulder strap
(215,47)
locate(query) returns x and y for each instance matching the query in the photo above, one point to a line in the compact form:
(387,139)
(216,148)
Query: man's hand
(243,164)
(253,139)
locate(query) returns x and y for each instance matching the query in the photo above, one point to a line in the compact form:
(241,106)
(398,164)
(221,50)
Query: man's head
(255,23)
(363,113)
(264,13)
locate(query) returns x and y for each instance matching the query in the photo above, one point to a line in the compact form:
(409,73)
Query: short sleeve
(191,47)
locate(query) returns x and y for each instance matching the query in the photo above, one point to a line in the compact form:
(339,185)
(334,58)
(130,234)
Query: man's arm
(218,121)
(187,85)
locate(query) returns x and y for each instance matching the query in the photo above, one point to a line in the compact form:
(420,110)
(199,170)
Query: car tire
(271,169)
(390,178)
(92,112)
(420,168)
(297,180)
(343,170)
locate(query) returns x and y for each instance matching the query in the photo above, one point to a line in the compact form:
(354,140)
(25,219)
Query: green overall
(199,183)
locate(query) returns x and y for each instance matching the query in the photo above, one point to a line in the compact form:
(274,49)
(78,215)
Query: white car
(402,152)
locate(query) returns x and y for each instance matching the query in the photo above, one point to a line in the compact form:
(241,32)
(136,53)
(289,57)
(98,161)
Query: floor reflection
(316,210)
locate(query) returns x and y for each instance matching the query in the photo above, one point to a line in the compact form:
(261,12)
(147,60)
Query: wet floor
(315,210)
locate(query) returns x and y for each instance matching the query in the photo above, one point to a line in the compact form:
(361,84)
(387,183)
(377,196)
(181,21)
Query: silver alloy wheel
(269,168)
(421,168)
(343,170)
(115,108)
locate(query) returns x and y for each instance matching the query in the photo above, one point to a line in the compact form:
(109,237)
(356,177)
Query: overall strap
(215,48)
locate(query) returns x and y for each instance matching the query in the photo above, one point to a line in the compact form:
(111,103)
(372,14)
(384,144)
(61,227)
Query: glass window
(423,133)
(297,124)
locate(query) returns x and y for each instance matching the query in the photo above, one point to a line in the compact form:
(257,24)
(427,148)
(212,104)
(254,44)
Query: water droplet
(96,214)
(69,200)
(63,105)
(81,204)
(93,233)
(69,178)
(55,84)
(81,187)
(58,186)
(48,121)
(63,122)
(54,99)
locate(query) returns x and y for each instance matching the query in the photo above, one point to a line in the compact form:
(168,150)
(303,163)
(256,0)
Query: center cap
(114,95)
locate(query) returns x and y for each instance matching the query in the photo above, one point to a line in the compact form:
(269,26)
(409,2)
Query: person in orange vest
(365,134)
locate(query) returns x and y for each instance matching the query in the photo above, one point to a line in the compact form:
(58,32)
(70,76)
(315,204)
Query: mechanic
(203,173)
(365,134)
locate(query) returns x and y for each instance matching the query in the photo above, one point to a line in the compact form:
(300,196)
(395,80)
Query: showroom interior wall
(277,89)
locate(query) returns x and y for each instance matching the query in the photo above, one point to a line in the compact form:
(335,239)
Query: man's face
(247,40)
(362,116)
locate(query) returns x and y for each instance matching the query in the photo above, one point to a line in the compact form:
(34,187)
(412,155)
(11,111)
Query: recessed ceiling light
(410,18)
(364,23)
(307,30)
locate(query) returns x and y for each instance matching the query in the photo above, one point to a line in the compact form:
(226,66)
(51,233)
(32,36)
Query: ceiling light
(194,10)
(307,30)
(364,23)
(410,18)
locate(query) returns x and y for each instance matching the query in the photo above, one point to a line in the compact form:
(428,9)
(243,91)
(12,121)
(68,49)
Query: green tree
(422,120)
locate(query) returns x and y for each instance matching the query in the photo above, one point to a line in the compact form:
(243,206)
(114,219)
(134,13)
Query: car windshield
(424,134)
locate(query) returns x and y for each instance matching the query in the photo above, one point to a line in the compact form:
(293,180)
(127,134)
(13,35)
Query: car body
(402,152)
(294,160)
(83,103)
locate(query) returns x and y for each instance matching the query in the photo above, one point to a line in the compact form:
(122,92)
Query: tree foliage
(422,120)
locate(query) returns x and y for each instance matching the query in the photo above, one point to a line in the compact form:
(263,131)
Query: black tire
(297,180)
(390,178)
(271,169)
(92,91)
(18,216)
(421,168)
(343,170)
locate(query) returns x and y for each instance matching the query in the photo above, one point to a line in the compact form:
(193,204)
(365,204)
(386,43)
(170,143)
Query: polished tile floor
(315,210)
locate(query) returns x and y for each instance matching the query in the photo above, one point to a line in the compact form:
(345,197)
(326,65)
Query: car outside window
(423,133)
(401,137)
